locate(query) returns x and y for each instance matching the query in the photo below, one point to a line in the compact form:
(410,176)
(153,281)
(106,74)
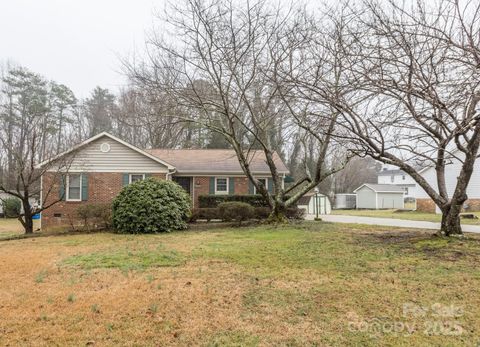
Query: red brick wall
(102,188)
(201,186)
(425,205)
(473,205)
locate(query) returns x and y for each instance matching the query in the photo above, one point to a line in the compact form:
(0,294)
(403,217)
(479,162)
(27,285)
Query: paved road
(390,222)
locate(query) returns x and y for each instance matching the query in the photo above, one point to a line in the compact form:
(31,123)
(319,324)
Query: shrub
(86,214)
(205,213)
(104,214)
(95,215)
(262,212)
(212,201)
(295,213)
(291,212)
(12,207)
(238,211)
(151,206)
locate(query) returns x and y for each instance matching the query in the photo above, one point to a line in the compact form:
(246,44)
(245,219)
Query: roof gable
(76,151)
(381,188)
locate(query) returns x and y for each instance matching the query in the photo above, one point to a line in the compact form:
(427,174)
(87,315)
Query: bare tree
(358,171)
(416,92)
(29,134)
(222,62)
(27,185)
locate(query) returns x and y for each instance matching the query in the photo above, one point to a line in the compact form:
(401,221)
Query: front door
(184,182)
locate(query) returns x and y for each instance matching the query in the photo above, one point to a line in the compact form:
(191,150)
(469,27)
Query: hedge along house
(380,196)
(102,165)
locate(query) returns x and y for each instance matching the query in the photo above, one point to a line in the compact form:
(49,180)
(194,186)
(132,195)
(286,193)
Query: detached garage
(380,196)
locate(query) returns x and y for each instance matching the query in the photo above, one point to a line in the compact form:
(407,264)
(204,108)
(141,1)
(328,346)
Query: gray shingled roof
(382,188)
(214,161)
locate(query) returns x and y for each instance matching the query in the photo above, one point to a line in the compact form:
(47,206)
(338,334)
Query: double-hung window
(136,177)
(221,185)
(74,187)
(263,181)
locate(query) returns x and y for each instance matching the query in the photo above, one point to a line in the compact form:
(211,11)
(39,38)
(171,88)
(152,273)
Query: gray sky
(74,42)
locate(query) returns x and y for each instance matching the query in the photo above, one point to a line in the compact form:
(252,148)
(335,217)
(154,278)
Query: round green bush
(235,210)
(151,206)
(11,207)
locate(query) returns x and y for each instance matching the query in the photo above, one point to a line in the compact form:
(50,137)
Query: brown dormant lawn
(303,285)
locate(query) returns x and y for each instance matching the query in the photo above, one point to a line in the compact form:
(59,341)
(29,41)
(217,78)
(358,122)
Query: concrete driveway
(402,223)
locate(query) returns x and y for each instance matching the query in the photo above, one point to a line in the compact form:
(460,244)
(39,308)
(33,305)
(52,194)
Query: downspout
(171,172)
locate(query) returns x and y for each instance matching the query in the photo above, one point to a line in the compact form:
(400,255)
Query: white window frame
(266,184)
(222,192)
(67,188)
(135,174)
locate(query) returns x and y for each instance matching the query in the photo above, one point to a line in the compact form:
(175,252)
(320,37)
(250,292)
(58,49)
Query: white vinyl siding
(366,198)
(369,199)
(451,174)
(120,158)
(390,200)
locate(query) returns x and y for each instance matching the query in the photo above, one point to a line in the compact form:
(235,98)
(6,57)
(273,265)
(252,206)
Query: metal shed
(345,201)
(380,196)
(308,203)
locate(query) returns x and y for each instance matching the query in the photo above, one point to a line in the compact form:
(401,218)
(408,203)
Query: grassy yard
(410,215)
(315,284)
(11,227)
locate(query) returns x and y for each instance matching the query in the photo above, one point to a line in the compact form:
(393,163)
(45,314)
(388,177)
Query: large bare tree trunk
(451,221)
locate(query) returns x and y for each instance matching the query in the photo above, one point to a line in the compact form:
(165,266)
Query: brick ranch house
(102,165)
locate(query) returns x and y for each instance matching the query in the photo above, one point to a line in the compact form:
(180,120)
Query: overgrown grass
(408,215)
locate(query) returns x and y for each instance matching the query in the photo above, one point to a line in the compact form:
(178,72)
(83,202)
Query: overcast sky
(74,42)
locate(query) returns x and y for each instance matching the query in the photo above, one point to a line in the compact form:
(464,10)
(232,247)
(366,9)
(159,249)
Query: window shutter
(61,187)
(84,187)
(251,188)
(148,175)
(125,179)
(231,185)
(270,185)
(212,186)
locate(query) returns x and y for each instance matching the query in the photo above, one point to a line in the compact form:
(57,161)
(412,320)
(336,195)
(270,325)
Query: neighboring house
(398,178)
(452,170)
(379,196)
(104,164)
(309,203)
